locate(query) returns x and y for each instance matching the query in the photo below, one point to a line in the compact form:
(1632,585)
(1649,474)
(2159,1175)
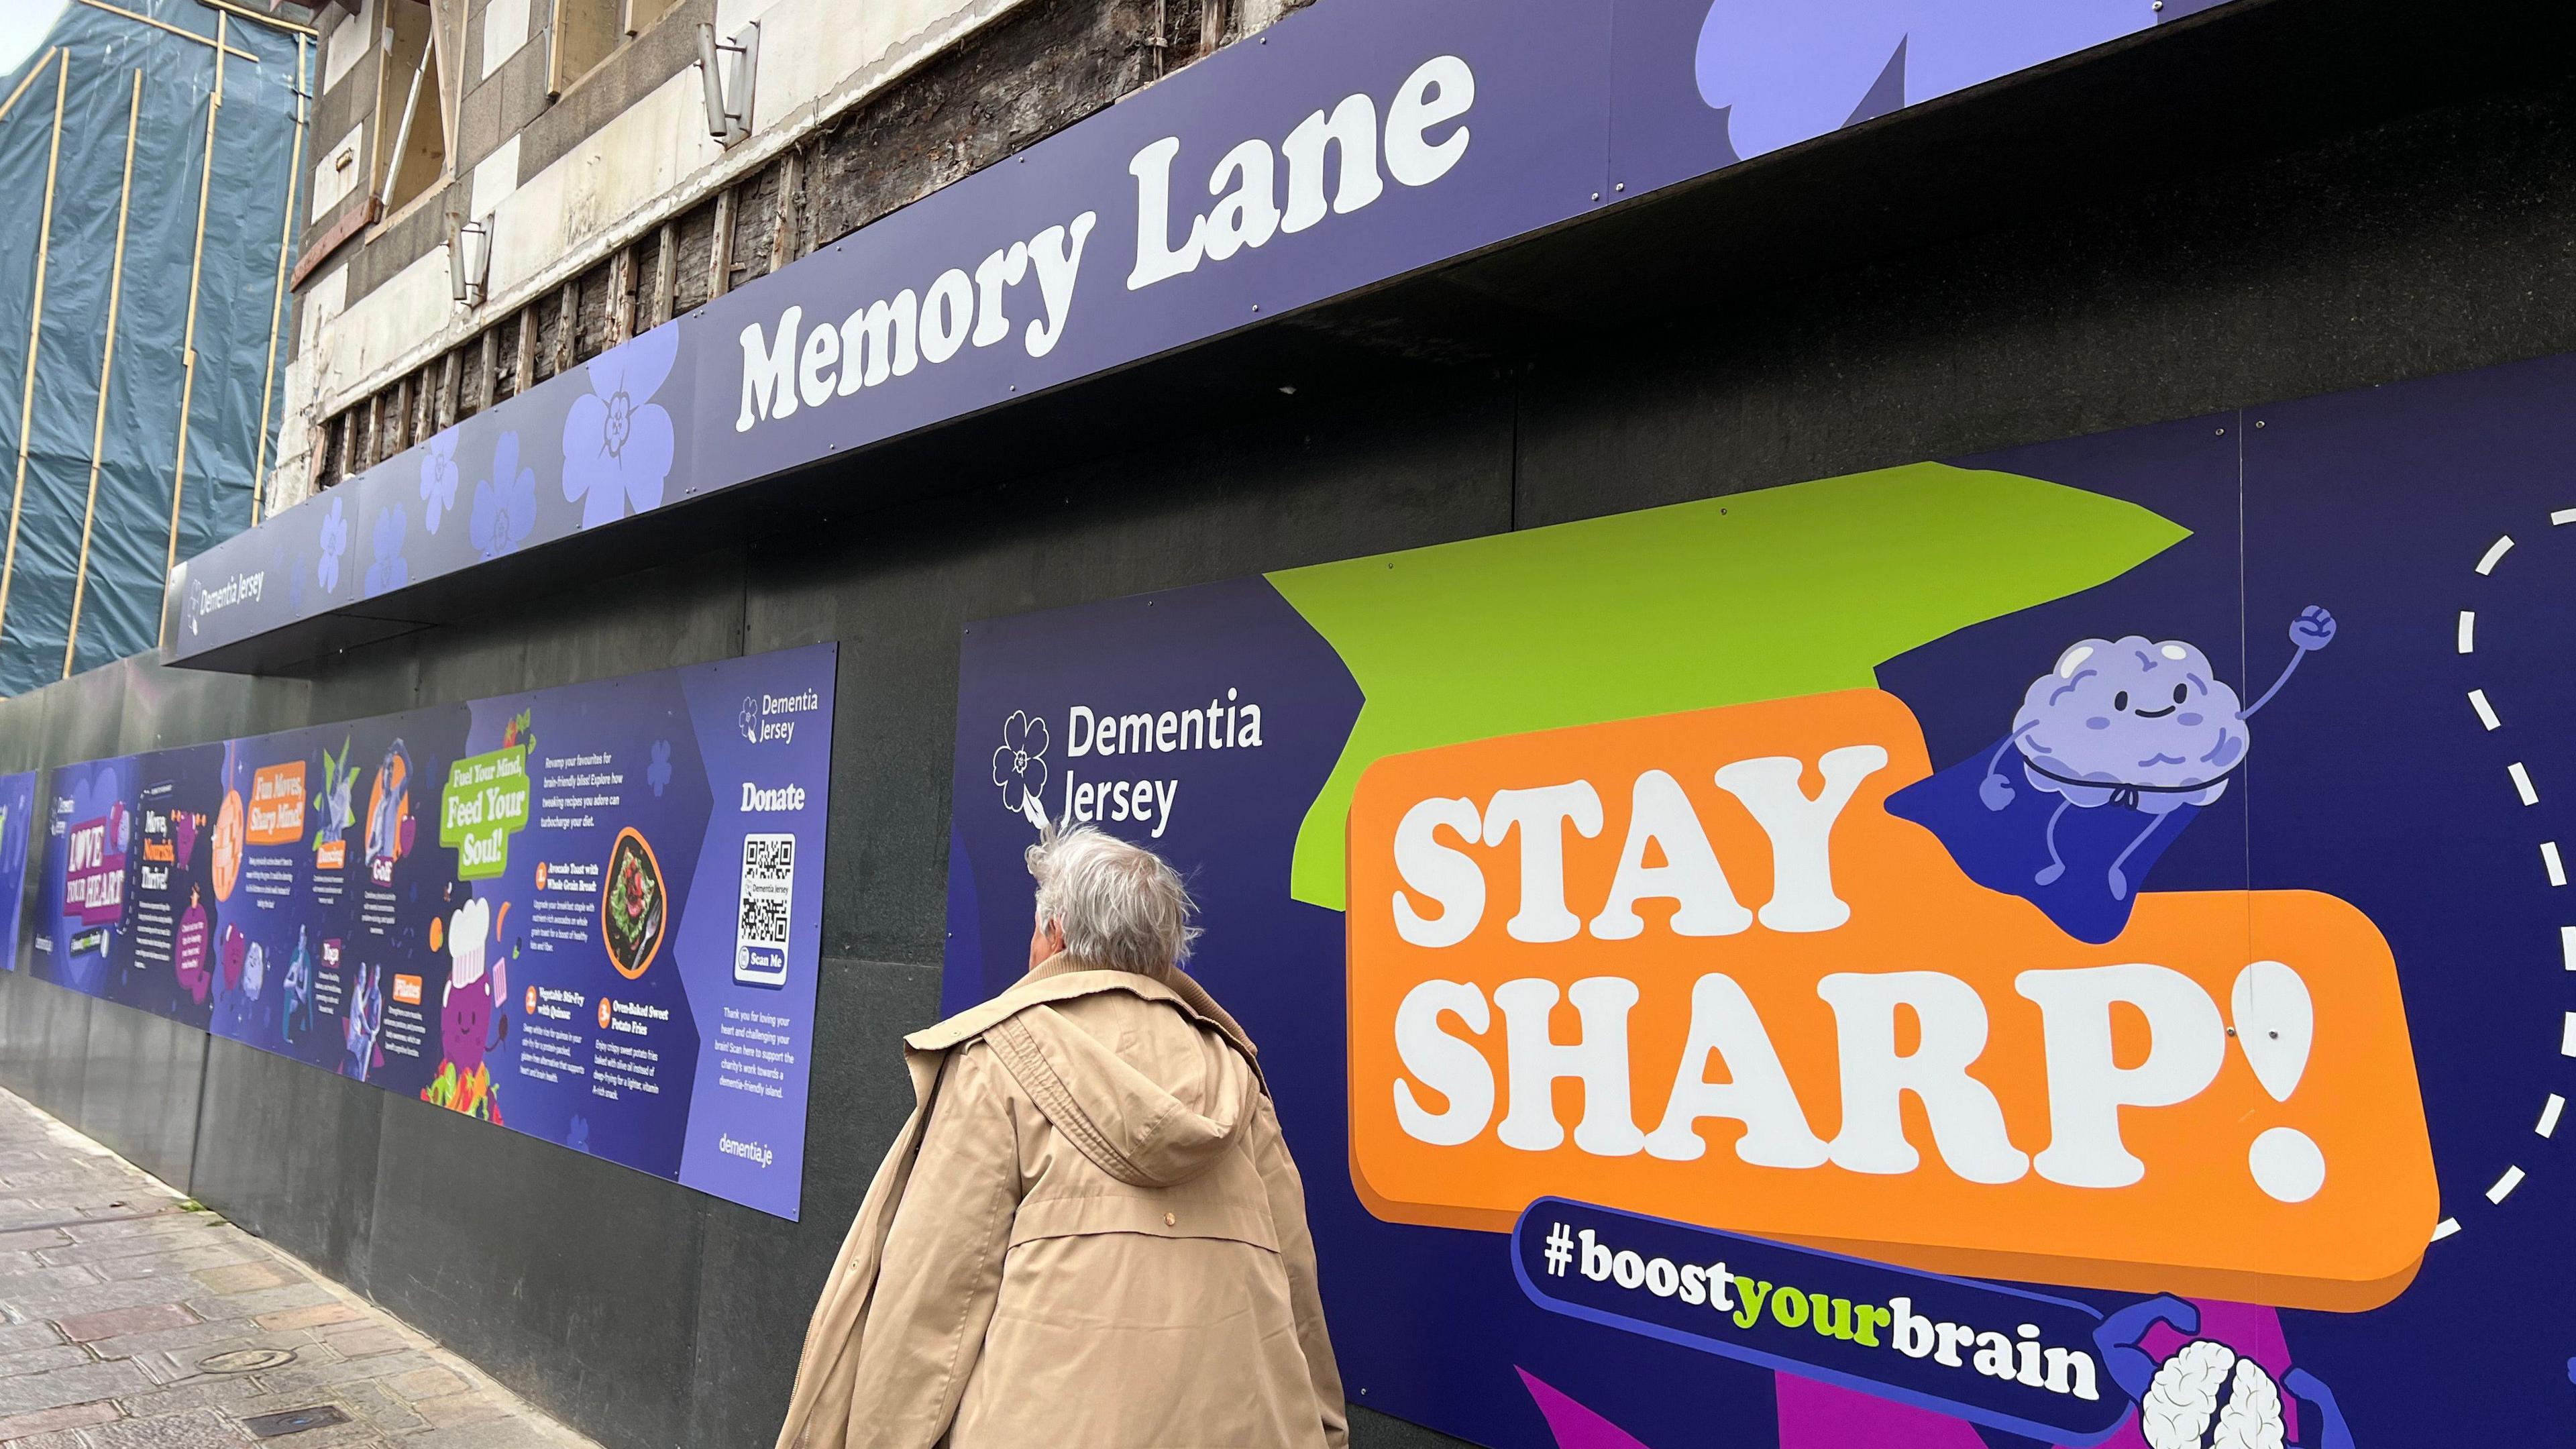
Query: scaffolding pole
(277,295)
(188,338)
(35,322)
(106,370)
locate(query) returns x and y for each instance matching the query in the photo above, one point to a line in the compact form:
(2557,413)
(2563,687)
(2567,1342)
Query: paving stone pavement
(130,1317)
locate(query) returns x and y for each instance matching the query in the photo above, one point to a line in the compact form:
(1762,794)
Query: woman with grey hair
(1090,1234)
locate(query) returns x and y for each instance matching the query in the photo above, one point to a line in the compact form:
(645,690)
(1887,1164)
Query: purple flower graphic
(617,442)
(1784,73)
(335,542)
(387,570)
(1020,766)
(505,504)
(437,478)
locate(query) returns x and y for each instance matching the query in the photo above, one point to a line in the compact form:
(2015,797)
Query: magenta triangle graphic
(1574,1426)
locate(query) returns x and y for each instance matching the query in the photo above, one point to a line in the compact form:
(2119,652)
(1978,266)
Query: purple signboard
(588,914)
(1356,141)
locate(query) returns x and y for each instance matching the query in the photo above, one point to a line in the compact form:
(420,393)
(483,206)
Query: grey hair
(1118,904)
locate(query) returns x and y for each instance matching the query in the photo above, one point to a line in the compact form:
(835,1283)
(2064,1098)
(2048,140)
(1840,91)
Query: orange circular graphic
(228,845)
(389,807)
(604,1012)
(633,905)
(532,1001)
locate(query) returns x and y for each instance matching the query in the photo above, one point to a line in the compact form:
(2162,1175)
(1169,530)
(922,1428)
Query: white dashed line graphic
(2553,866)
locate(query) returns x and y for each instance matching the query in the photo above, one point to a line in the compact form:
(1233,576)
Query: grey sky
(23,23)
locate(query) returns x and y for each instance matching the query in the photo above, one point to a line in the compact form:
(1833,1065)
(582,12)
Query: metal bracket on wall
(728,85)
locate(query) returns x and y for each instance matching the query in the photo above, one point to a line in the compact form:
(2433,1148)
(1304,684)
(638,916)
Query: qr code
(768,859)
(764,920)
(762,924)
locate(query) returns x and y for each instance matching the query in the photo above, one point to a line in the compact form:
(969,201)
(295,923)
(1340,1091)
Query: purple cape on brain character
(2113,751)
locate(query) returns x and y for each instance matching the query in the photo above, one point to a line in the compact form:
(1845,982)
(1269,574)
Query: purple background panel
(311,960)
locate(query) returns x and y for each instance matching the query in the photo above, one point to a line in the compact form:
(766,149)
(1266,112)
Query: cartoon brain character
(2134,724)
(2206,1394)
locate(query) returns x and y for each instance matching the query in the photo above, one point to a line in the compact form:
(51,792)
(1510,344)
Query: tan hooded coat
(1088,1236)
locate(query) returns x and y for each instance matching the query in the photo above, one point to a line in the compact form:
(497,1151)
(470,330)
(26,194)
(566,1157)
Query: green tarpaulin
(121,228)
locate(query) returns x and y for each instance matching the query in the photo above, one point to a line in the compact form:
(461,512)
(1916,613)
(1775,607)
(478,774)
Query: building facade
(1865,699)
(574,140)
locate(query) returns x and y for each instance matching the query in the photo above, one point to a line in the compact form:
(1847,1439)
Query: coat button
(1170,1221)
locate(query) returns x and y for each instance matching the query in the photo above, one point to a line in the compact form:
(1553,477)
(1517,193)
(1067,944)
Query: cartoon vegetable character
(470,1019)
(2144,726)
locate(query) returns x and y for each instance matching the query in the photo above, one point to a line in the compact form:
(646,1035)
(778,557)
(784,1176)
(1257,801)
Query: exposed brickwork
(1028,76)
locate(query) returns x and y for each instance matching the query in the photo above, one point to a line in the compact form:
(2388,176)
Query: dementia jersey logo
(1760,1002)
(239,589)
(771,718)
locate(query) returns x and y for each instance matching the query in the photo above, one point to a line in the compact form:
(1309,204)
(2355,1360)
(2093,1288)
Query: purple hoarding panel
(589,914)
(1350,144)
(17,829)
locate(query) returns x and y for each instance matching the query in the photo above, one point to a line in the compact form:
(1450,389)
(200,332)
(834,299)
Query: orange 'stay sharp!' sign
(1690,966)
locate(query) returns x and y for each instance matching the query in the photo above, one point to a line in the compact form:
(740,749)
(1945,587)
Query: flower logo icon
(386,570)
(1785,73)
(1020,766)
(505,504)
(335,542)
(749,720)
(437,478)
(618,442)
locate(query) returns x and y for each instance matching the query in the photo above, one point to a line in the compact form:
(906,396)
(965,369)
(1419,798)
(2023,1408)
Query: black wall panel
(139,1079)
(289,1153)
(740,1379)
(561,1272)
(653,1316)
(44,1044)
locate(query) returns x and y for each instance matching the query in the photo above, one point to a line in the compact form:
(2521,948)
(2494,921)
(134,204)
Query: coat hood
(1150,1095)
